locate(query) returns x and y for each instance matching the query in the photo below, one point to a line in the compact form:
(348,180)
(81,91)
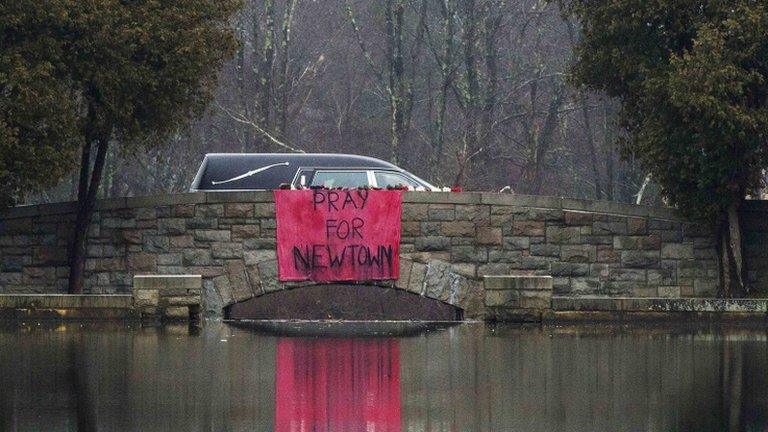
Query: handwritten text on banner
(338,235)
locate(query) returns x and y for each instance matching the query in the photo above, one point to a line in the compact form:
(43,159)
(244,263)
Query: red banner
(338,235)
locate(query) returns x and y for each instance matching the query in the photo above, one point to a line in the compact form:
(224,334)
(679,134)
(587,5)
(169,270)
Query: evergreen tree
(122,73)
(692,78)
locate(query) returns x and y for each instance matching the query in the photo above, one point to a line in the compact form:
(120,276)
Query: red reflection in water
(337,385)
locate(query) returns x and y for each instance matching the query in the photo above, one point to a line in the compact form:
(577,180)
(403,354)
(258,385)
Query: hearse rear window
(340,179)
(386,179)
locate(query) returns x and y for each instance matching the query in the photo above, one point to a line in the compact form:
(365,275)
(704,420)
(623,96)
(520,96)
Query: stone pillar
(172,297)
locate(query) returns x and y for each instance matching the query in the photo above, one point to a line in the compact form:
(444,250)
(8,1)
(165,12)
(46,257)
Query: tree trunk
(731,256)
(85,205)
(641,192)
(266,69)
(284,84)
(544,139)
(446,76)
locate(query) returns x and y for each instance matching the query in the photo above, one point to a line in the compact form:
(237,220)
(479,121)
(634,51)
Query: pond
(466,377)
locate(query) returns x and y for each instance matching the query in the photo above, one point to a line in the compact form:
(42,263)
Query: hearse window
(390,179)
(343,179)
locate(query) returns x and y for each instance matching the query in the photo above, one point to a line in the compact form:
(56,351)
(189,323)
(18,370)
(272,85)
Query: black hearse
(260,171)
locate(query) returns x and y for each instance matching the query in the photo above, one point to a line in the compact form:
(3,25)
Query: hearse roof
(220,171)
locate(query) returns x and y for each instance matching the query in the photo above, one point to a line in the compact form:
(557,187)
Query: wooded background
(467,91)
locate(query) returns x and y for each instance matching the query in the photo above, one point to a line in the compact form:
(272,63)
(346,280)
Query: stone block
(546,250)
(239,284)
(513,282)
(141,261)
(155,243)
(578,253)
(507,256)
(477,214)
(501,298)
(209,210)
(697,230)
(600,227)
(527,228)
(268,224)
(259,243)
(705,287)
(650,242)
(172,226)
(442,212)
(637,226)
(146,297)
(489,236)
(415,212)
(45,256)
(677,251)
(410,229)
(542,215)
(114,222)
(268,276)
(469,254)
(169,259)
(184,210)
(639,259)
(197,257)
(606,254)
(670,291)
(13,263)
(238,210)
(226,250)
(264,210)
(212,235)
(221,284)
(465,269)
(240,232)
(404,273)
(563,235)
(442,283)
(192,300)
(431,228)
(661,277)
(577,218)
(458,229)
(516,243)
(202,223)
(182,241)
(604,240)
(257,256)
(569,269)
(534,303)
(585,285)
(169,284)
(130,236)
(627,275)
(176,312)
(535,263)
(416,280)
(433,243)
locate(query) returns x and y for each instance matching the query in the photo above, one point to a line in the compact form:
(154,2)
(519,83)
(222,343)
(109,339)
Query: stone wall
(449,242)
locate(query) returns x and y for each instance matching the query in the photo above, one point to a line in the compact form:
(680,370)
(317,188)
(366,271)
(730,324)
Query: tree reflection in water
(345,385)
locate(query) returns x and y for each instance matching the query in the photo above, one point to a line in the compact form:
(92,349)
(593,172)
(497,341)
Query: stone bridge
(450,241)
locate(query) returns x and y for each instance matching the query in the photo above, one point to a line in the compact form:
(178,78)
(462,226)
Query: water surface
(469,377)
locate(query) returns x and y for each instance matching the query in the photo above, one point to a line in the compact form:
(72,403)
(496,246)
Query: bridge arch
(343,302)
(431,290)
